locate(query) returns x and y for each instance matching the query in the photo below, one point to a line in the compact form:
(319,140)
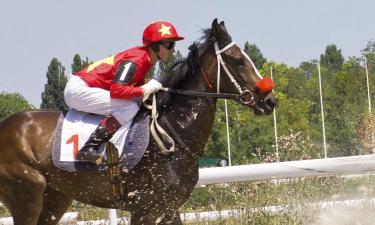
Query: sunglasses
(168,44)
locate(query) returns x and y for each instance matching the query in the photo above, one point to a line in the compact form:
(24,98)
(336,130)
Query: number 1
(74,139)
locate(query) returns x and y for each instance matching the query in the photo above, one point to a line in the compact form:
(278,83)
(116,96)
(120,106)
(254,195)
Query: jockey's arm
(124,76)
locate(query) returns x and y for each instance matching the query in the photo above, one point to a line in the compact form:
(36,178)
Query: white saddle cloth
(77,128)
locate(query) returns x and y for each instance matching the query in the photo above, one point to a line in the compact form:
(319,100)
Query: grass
(297,193)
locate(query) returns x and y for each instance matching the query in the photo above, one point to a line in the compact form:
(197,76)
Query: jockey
(113,86)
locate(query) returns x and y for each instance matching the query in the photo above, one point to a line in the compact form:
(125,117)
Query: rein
(202,94)
(156,128)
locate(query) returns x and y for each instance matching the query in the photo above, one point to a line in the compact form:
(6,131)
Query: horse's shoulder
(26,132)
(29,122)
(43,115)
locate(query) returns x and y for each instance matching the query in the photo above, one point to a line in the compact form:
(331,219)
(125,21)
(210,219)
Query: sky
(286,31)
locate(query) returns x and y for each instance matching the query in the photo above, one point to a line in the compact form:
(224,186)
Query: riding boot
(106,129)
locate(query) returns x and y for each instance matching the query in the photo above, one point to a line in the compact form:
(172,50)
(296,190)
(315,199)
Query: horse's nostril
(271,103)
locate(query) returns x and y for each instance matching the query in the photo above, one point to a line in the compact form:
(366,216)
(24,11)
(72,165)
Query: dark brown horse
(36,192)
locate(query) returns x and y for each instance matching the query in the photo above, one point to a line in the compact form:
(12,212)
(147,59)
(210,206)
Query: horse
(36,192)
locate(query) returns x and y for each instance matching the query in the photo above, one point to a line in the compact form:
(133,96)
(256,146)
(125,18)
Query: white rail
(291,169)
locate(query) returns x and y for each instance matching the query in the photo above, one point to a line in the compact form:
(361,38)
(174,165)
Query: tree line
(349,124)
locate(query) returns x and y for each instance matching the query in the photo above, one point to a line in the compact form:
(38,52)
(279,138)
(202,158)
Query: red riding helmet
(159,31)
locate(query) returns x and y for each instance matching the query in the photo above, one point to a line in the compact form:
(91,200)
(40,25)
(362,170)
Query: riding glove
(151,87)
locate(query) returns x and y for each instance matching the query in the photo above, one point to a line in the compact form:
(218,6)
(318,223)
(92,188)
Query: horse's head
(230,70)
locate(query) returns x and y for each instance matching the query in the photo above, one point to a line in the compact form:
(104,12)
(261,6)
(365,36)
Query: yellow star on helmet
(164,30)
(108,60)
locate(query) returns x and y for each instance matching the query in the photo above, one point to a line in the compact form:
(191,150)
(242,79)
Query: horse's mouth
(260,105)
(263,109)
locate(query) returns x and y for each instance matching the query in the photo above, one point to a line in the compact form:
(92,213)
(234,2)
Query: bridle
(246,96)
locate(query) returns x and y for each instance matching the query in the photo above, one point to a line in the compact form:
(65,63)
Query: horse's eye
(240,62)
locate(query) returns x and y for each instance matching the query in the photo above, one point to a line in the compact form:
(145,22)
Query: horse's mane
(184,68)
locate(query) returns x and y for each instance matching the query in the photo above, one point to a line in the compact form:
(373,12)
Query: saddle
(128,147)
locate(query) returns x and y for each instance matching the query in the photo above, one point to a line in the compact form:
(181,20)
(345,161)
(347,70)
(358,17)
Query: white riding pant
(78,95)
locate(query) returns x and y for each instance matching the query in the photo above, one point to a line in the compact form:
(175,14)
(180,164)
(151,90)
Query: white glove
(151,87)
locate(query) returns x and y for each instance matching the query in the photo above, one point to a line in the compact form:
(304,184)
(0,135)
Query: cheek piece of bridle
(246,96)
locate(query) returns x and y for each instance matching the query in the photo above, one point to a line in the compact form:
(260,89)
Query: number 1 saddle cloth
(74,128)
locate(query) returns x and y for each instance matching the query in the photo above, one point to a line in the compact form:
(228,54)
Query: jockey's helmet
(159,31)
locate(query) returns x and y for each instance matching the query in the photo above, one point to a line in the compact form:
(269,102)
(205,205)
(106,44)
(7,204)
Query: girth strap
(114,170)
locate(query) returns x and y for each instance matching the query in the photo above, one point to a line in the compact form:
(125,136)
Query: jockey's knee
(73,89)
(68,98)
(126,112)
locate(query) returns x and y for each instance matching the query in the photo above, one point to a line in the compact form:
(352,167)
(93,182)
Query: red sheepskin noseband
(265,85)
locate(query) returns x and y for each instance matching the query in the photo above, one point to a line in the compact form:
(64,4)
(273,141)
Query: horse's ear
(222,26)
(215,23)
(215,29)
(219,33)
(224,35)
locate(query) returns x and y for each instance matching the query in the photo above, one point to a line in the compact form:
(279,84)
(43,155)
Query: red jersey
(100,74)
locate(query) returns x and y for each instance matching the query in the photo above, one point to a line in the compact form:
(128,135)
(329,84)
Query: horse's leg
(22,191)
(142,219)
(172,218)
(55,205)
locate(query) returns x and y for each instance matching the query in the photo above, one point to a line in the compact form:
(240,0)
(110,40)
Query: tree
(78,64)
(294,146)
(370,47)
(11,103)
(345,102)
(369,53)
(255,54)
(166,66)
(53,94)
(366,134)
(150,74)
(332,58)
(309,67)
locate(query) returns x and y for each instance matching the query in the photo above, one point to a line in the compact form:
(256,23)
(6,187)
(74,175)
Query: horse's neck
(193,117)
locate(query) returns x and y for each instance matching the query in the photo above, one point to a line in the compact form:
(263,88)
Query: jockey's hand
(151,87)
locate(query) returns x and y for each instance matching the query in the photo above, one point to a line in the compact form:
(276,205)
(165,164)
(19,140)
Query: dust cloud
(346,216)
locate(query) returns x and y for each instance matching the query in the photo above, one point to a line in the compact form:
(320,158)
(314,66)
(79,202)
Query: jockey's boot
(106,129)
